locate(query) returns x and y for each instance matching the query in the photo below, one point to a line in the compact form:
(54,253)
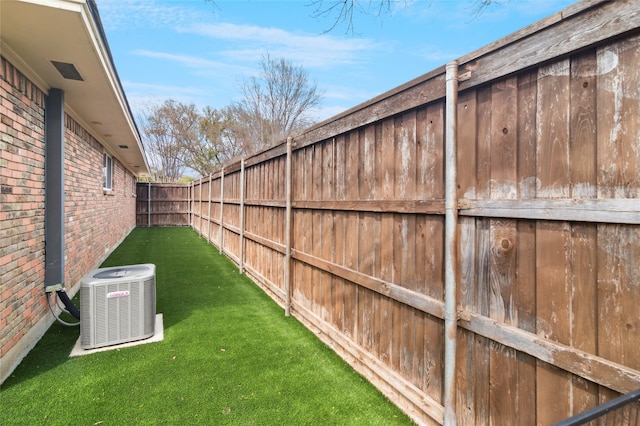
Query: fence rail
(467,242)
(623,411)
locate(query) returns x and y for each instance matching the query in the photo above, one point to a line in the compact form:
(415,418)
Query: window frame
(134,183)
(107,172)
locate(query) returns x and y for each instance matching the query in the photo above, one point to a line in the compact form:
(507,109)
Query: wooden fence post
(148,204)
(200,207)
(221,233)
(189,204)
(287,231)
(241,265)
(209,213)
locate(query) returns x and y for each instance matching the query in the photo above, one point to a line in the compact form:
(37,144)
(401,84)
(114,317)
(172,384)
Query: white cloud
(160,89)
(194,62)
(325,113)
(435,55)
(248,42)
(119,14)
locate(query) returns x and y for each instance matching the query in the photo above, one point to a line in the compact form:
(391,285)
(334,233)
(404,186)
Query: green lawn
(229,356)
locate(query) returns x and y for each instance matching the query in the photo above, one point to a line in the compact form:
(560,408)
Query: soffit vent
(68,71)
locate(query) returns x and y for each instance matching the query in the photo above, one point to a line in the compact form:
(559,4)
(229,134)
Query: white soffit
(35,33)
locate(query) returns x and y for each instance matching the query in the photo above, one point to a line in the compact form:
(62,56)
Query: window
(107,172)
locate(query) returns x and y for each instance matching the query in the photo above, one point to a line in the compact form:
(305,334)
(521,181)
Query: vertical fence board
(553,239)
(502,250)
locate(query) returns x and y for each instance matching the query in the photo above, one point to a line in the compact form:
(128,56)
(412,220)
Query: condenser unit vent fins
(117,305)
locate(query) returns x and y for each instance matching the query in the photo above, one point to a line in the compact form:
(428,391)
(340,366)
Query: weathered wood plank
(618,295)
(539,45)
(583,148)
(339,249)
(384,309)
(280,248)
(467,116)
(524,293)
(618,123)
(465,395)
(379,286)
(405,161)
(367,253)
(502,250)
(553,252)
(483,141)
(564,358)
(328,253)
(431,155)
(410,95)
(617,210)
(391,206)
(554,319)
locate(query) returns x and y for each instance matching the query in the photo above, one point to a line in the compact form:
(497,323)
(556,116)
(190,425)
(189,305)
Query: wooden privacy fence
(470,240)
(162,204)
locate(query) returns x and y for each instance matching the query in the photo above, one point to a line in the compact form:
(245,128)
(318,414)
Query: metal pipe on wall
(54,189)
(451,222)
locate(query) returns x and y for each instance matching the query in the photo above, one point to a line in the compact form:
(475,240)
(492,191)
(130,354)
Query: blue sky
(197,51)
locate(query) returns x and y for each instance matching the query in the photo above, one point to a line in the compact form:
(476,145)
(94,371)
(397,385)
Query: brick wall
(95,220)
(21,206)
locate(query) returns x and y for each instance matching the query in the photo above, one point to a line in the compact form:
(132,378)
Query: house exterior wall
(95,220)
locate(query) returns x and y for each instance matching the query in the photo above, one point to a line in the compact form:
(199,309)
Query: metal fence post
(451,221)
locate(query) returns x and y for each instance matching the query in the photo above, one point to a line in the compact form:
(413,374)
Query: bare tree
(216,143)
(342,12)
(167,129)
(245,131)
(276,102)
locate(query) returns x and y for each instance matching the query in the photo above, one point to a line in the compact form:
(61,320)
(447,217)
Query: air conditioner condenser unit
(117,305)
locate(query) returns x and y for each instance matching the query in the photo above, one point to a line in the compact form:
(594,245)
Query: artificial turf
(229,357)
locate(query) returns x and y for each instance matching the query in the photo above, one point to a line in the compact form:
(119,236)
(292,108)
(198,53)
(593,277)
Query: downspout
(451,222)
(54,200)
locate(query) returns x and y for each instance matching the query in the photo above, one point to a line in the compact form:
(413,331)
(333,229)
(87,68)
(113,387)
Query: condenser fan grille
(117,305)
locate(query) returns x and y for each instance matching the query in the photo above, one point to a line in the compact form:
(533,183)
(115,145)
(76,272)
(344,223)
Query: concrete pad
(158,336)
